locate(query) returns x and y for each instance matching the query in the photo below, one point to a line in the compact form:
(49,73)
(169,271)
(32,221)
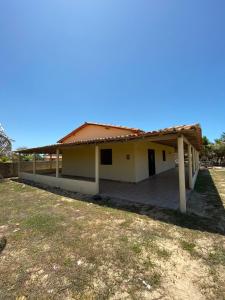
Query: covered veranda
(168,189)
(148,191)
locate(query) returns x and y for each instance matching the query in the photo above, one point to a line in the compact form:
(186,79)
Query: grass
(162,253)
(205,183)
(187,246)
(59,248)
(136,248)
(217,256)
(44,223)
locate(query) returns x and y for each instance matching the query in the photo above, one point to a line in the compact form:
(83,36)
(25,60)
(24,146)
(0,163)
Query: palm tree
(5,143)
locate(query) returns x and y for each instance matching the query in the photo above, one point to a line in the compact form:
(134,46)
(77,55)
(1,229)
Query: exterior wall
(122,168)
(95,131)
(80,161)
(141,159)
(80,186)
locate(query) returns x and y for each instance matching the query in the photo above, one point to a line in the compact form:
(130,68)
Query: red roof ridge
(136,130)
(114,125)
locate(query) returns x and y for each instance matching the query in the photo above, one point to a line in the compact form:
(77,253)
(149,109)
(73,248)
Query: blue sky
(147,64)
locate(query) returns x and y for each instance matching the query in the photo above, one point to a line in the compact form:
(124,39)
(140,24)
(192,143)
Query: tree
(219,151)
(5,143)
(222,138)
(29,157)
(205,140)
(26,157)
(206,151)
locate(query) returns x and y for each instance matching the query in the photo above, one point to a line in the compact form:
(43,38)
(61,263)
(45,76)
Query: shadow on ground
(205,209)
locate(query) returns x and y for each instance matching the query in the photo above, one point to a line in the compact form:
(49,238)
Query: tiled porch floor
(161,190)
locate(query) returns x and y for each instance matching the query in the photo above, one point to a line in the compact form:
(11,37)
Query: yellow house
(123,162)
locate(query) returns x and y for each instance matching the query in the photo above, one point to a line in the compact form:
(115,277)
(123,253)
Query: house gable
(89,131)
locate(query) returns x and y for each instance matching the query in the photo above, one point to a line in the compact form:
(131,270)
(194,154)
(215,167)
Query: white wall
(81,186)
(122,169)
(141,159)
(80,161)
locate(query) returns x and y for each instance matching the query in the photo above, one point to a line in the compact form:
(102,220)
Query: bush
(4,159)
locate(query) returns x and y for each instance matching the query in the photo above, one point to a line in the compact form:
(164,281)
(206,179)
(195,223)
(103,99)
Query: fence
(8,169)
(11,169)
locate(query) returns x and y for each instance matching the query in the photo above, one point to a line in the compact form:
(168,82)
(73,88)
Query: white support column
(180,145)
(19,163)
(194,165)
(57,164)
(198,162)
(34,163)
(190,167)
(192,154)
(97,166)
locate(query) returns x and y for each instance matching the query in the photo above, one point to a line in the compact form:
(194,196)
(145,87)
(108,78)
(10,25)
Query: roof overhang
(167,136)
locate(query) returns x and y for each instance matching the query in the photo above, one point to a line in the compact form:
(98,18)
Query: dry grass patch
(61,248)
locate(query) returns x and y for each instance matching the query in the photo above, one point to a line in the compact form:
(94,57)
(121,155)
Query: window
(164,155)
(106,156)
(128,156)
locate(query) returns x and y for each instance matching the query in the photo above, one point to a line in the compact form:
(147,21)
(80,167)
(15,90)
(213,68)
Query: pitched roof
(191,132)
(135,130)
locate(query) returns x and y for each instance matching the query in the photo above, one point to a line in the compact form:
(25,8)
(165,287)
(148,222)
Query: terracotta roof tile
(192,132)
(114,126)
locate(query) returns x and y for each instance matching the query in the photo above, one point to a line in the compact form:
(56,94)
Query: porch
(161,190)
(167,189)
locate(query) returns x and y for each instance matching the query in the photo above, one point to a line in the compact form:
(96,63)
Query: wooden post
(34,163)
(19,164)
(57,164)
(50,161)
(190,167)
(97,166)
(182,189)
